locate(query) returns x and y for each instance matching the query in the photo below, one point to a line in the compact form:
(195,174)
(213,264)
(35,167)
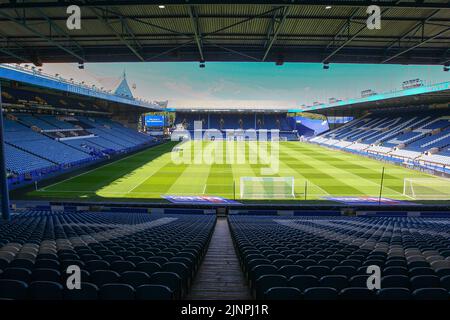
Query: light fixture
(328,7)
(161,6)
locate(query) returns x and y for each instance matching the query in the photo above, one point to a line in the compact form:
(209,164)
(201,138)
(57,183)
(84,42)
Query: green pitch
(153,173)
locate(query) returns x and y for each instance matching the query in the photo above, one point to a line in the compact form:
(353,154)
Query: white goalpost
(267,187)
(427,188)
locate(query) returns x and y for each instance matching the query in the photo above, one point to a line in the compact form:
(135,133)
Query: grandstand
(421,138)
(57,132)
(229,120)
(178,212)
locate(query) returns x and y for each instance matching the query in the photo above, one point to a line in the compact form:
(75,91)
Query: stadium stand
(239,121)
(225,121)
(122,255)
(38,144)
(419,138)
(323,258)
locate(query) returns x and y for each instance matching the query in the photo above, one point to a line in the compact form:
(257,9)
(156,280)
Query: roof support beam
(126,26)
(445,57)
(276,29)
(328,57)
(242,21)
(60,31)
(413,29)
(197,34)
(117,34)
(7,49)
(170,50)
(353,37)
(14,55)
(417,45)
(24,25)
(106,10)
(345,26)
(233,51)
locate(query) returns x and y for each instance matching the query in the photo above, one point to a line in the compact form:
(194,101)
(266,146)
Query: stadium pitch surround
(110,196)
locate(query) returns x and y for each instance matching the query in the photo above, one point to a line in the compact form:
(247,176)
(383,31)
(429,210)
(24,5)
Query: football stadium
(122,178)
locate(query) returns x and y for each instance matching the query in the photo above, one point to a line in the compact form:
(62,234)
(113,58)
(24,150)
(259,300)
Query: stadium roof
(412,32)
(37,78)
(435,96)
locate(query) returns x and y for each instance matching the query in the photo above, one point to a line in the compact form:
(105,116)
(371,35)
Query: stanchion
(381,186)
(3,176)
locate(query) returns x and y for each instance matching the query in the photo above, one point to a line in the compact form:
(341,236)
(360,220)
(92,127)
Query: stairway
(220,276)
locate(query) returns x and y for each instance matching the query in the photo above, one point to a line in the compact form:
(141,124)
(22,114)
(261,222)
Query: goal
(427,188)
(267,187)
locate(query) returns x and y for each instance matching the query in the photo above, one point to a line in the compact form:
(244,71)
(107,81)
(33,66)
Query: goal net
(267,187)
(427,188)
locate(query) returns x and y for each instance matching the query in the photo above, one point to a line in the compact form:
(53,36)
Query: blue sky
(253,83)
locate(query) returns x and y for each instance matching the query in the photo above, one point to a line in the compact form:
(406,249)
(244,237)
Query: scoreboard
(152,121)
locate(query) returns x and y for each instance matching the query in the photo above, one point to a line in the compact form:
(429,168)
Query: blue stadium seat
(20,274)
(169,279)
(427,281)
(101,277)
(337,282)
(135,278)
(123,266)
(290,270)
(354,293)
(394,294)
(153,292)
(46,290)
(283,293)
(13,289)
(431,294)
(88,291)
(268,281)
(117,291)
(395,281)
(45,274)
(303,282)
(320,293)
(148,267)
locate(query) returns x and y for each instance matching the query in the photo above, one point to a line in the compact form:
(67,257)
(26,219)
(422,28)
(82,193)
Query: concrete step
(220,276)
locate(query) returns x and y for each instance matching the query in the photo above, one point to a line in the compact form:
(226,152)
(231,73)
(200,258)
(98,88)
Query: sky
(249,84)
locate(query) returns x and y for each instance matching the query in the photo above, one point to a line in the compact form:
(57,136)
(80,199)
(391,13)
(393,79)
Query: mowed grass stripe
(130,183)
(307,171)
(299,183)
(95,179)
(220,180)
(321,174)
(370,169)
(193,178)
(368,186)
(151,174)
(242,169)
(162,180)
(365,186)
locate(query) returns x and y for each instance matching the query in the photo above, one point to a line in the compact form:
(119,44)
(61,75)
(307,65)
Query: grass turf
(151,174)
